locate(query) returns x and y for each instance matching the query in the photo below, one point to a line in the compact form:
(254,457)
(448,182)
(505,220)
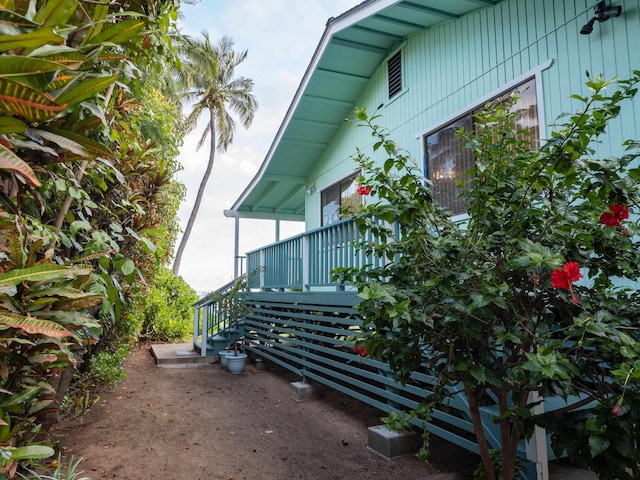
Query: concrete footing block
(302,391)
(389,444)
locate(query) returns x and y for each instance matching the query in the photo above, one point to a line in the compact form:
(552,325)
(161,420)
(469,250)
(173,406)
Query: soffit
(351,49)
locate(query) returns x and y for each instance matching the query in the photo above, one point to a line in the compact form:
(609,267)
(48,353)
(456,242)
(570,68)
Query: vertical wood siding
(450,67)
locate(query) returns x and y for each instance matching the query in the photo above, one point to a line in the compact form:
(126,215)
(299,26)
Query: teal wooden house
(425,66)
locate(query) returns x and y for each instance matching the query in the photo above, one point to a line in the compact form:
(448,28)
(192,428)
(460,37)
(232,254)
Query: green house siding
(450,67)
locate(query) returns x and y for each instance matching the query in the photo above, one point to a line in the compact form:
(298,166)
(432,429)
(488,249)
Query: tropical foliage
(87,200)
(166,312)
(535,294)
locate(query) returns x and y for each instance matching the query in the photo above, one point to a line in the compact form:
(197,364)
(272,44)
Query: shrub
(107,367)
(166,313)
(535,293)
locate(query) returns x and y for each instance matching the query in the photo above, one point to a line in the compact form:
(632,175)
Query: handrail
(307,260)
(215,312)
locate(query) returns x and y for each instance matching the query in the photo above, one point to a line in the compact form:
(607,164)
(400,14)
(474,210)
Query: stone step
(179,355)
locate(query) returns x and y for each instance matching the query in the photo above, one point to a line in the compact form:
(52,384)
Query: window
(447,161)
(394,69)
(340,200)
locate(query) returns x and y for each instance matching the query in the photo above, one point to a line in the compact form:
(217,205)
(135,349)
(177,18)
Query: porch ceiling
(351,48)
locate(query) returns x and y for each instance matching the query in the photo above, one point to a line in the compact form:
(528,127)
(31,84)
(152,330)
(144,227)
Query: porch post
(277,231)
(196,313)
(306,273)
(536,447)
(205,329)
(236,249)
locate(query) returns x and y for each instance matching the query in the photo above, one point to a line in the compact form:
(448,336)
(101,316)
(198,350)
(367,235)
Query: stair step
(177,355)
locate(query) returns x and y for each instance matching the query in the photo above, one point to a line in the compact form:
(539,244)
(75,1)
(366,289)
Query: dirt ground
(203,423)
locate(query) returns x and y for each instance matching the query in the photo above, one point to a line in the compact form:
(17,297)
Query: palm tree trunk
(196,205)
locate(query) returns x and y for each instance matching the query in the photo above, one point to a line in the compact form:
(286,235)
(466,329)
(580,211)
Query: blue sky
(280,36)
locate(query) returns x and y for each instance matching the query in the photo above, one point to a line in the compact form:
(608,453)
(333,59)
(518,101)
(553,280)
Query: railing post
(205,330)
(196,324)
(306,267)
(536,446)
(262,269)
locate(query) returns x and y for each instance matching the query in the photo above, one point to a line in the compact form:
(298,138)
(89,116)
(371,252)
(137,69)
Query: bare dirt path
(203,423)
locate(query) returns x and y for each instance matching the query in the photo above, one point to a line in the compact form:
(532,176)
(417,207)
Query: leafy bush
(107,367)
(166,313)
(498,300)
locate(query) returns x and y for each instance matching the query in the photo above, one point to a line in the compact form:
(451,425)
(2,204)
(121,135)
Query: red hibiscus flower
(361,350)
(614,217)
(616,409)
(364,190)
(563,278)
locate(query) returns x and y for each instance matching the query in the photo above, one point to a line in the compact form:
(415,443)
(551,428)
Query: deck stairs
(218,321)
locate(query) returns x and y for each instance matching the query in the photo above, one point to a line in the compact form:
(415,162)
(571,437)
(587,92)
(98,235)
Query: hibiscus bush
(532,295)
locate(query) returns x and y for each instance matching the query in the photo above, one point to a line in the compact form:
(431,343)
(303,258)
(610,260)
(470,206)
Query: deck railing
(307,261)
(215,314)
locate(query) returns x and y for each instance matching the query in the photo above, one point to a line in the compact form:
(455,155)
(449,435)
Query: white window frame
(535,73)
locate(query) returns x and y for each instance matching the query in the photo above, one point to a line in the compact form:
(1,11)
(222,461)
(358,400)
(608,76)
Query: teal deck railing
(306,261)
(216,323)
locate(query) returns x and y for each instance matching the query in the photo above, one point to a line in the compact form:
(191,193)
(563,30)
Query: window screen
(340,200)
(447,161)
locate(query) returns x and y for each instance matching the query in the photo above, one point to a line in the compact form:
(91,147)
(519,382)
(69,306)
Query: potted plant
(234,358)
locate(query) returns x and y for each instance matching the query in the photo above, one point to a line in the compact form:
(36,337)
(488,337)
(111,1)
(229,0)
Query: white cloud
(281,37)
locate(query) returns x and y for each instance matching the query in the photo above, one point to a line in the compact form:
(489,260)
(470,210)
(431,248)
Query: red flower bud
(616,409)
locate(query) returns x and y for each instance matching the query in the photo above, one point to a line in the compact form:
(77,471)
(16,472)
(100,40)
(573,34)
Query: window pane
(330,204)
(340,200)
(447,163)
(527,106)
(350,201)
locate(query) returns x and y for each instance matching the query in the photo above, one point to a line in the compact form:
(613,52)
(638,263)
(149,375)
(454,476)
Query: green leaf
(11,125)
(92,147)
(120,32)
(35,72)
(33,39)
(25,395)
(598,445)
(56,12)
(21,100)
(34,326)
(78,225)
(11,23)
(41,272)
(478,373)
(10,161)
(86,89)
(62,141)
(31,452)
(128,267)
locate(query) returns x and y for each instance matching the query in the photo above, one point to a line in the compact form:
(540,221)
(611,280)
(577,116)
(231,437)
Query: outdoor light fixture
(602,13)
(312,188)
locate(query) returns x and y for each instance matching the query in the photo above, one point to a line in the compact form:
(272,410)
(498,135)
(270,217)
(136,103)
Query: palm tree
(207,75)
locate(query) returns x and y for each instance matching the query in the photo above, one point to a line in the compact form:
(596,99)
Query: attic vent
(394,66)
